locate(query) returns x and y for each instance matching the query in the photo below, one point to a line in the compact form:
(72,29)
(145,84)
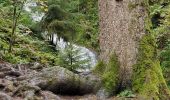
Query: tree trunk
(120,32)
(15,21)
(122,28)
(13,28)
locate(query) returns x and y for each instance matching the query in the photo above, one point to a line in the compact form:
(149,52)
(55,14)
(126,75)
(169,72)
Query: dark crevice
(156,20)
(68,90)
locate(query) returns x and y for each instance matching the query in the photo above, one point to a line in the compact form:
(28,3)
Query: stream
(59,42)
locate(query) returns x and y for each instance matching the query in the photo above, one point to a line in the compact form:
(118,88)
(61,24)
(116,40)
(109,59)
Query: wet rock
(4,96)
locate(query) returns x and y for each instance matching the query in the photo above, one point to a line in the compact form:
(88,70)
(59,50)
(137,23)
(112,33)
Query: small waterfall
(59,42)
(36,15)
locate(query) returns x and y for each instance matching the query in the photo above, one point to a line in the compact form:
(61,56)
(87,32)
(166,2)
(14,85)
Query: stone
(62,81)
(4,96)
(47,95)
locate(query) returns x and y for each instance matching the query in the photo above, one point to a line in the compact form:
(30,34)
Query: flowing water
(59,42)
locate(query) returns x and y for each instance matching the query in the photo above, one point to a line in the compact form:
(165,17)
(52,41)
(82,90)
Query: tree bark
(122,28)
(120,31)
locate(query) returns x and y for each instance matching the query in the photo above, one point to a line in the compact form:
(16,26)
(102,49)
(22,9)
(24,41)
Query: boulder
(62,81)
(35,82)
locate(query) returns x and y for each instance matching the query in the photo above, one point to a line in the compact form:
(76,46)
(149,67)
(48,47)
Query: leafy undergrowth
(27,48)
(127,94)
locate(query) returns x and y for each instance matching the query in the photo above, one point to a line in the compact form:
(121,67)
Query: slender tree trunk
(15,21)
(13,28)
(123,30)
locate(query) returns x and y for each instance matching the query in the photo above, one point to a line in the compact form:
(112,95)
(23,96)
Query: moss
(99,68)
(110,76)
(148,80)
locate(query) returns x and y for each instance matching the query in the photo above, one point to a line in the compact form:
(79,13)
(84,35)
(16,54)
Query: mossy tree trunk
(125,31)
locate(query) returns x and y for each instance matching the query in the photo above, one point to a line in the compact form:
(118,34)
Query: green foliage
(161,22)
(126,93)
(109,74)
(165,62)
(10,58)
(73,18)
(148,80)
(71,58)
(27,49)
(26,20)
(100,68)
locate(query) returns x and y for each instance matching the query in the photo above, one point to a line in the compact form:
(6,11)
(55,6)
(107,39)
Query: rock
(34,82)
(5,67)
(36,66)
(4,96)
(6,85)
(24,88)
(47,95)
(102,94)
(2,75)
(25,30)
(29,95)
(13,73)
(62,81)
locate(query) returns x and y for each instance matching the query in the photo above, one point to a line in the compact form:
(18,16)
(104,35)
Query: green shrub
(70,58)
(10,58)
(126,93)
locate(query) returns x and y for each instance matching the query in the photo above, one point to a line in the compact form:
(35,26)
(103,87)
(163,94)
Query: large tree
(125,30)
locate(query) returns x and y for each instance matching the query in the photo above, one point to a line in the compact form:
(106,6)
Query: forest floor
(15,84)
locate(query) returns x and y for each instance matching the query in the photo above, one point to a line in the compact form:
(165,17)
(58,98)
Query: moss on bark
(110,77)
(148,80)
(109,74)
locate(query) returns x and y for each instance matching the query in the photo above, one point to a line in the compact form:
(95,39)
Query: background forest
(74,21)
